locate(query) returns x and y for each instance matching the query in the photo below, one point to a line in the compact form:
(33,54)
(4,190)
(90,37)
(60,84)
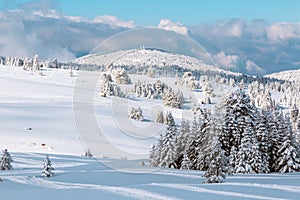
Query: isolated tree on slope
(47,170)
(6,161)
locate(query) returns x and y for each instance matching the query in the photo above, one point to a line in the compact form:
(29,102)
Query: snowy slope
(45,104)
(289,75)
(78,178)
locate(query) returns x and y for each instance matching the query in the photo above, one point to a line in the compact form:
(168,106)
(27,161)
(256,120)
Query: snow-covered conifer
(136,113)
(217,162)
(248,159)
(288,153)
(6,161)
(186,163)
(47,170)
(160,117)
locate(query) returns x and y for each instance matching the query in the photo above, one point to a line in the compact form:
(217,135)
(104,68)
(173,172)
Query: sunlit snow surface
(44,104)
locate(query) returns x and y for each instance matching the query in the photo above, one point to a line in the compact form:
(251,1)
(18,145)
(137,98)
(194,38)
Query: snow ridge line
(125,191)
(204,190)
(289,188)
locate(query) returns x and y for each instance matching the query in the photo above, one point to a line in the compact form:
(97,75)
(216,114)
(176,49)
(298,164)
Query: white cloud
(253,68)
(226,61)
(283,31)
(173,26)
(114,21)
(51,34)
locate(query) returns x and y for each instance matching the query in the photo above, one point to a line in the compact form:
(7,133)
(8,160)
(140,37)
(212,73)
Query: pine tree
(217,162)
(203,141)
(277,130)
(181,141)
(160,117)
(169,152)
(47,170)
(232,160)
(155,155)
(6,161)
(186,163)
(248,158)
(289,152)
(263,141)
(192,145)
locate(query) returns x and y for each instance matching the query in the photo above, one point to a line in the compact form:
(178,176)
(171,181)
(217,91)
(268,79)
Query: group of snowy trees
(136,113)
(149,90)
(237,138)
(6,161)
(109,88)
(31,64)
(159,90)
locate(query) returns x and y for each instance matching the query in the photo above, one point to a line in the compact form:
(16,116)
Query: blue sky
(188,12)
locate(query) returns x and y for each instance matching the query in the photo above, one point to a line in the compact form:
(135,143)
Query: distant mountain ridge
(147,57)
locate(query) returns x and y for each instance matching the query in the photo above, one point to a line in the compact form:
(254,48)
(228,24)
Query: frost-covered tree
(136,113)
(120,76)
(160,117)
(88,153)
(288,153)
(232,160)
(192,142)
(248,158)
(203,140)
(263,140)
(47,169)
(155,152)
(169,153)
(169,119)
(6,161)
(208,92)
(217,162)
(35,64)
(277,130)
(186,163)
(181,141)
(110,89)
(173,99)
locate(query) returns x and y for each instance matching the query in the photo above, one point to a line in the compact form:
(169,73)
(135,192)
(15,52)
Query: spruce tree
(186,163)
(288,159)
(6,161)
(248,159)
(217,162)
(169,151)
(263,140)
(47,170)
(160,117)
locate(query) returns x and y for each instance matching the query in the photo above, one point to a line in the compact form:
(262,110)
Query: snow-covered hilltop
(289,75)
(147,58)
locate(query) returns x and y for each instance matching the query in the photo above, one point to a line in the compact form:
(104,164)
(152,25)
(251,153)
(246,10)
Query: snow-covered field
(45,104)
